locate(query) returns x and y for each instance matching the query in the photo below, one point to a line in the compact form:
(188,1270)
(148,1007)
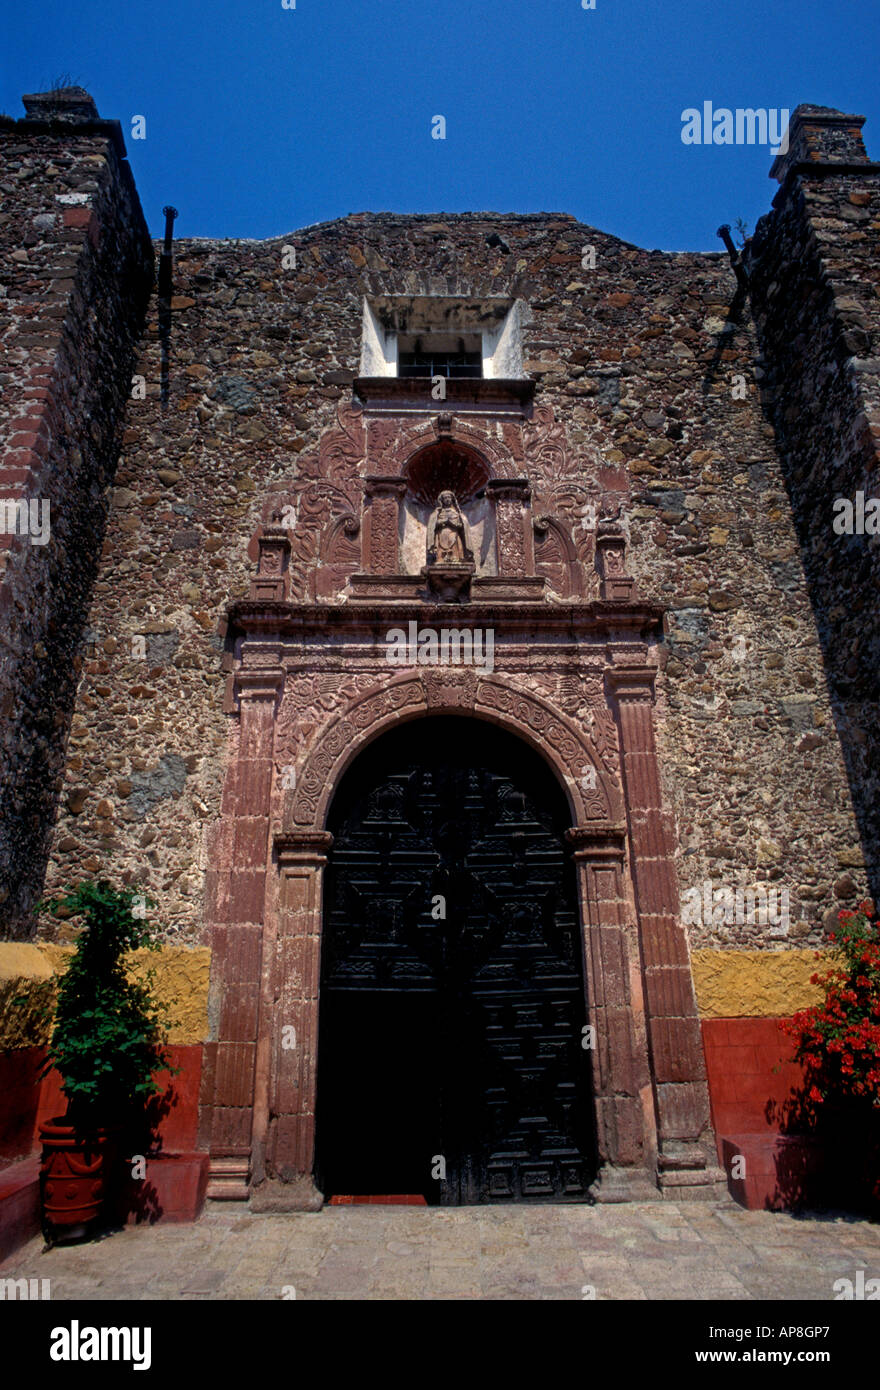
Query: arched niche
(445,465)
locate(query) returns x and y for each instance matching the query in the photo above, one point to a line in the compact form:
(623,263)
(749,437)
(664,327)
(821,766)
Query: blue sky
(261,119)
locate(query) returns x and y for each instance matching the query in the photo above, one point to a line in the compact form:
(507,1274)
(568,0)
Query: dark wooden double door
(451,1058)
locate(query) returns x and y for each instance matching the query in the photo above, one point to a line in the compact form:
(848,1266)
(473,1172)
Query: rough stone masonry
(767,698)
(230,478)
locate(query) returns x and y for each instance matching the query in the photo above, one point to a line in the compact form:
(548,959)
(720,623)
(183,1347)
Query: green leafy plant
(108,1035)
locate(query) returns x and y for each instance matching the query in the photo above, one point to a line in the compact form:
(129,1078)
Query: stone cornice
(597,842)
(605,617)
(510,489)
(414,392)
(258,683)
(632,684)
(376,486)
(302,847)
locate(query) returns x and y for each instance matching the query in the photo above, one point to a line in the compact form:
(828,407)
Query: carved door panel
(452,999)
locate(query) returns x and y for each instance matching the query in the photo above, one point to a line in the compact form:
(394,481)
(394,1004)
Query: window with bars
(424,358)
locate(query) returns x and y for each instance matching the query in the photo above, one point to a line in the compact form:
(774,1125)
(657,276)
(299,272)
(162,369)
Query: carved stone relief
(322,504)
(310,700)
(322,718)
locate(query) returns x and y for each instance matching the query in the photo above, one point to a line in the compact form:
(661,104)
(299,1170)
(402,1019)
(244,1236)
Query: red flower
(838,1040)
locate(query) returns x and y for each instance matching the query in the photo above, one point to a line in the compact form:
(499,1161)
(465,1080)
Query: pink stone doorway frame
(259,1092)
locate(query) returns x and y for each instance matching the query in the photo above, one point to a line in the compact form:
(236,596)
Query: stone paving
(655,1250)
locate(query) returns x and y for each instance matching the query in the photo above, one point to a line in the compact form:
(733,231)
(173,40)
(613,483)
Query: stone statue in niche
(449,539)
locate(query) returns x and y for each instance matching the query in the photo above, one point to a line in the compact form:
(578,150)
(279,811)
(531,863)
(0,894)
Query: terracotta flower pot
(72,1176)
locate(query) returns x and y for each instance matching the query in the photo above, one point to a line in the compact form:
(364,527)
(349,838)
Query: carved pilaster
(626,1146)
(290,1040)
(678,1065)
(270,581)
(236,904)
(614,582)
(381,526)
(514,531)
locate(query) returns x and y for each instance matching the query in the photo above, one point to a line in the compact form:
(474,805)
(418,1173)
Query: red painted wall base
(752,1080)
(176,1176)
(19,1204)
(754,1086)
(774,1172)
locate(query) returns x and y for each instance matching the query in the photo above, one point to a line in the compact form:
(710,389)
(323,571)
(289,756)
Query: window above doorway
(440,354)
(432,335)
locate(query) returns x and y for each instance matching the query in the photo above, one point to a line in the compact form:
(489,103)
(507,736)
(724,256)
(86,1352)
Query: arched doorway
(452,1002)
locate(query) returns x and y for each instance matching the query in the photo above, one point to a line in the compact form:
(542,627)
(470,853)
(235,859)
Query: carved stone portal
(573,677)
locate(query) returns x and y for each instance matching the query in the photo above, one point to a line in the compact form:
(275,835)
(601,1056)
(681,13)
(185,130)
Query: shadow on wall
(818,330)
(828,1156)
(134,1197)
(780,1153)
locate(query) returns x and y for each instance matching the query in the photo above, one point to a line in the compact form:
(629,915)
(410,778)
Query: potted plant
(838,1043)
(107,1043)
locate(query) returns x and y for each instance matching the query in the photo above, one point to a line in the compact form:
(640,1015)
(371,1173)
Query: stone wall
(177,976)
(77,269)
(815,283)
(650,360)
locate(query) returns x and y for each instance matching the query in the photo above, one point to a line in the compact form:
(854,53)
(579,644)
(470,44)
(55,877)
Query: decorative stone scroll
(445,689)
(340,738)
(593,795)
(324,496)
(571,755)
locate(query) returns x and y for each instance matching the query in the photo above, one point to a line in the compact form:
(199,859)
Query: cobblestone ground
(653,1251)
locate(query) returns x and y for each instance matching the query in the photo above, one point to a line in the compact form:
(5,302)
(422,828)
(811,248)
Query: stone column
(236,891)
(382,524)
(292,976)
(686,1156)
(513,525)
(624,1123)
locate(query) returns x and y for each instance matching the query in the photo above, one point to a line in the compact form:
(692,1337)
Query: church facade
(444,621)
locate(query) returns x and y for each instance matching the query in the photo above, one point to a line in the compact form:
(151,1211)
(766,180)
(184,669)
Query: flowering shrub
(838,1041)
